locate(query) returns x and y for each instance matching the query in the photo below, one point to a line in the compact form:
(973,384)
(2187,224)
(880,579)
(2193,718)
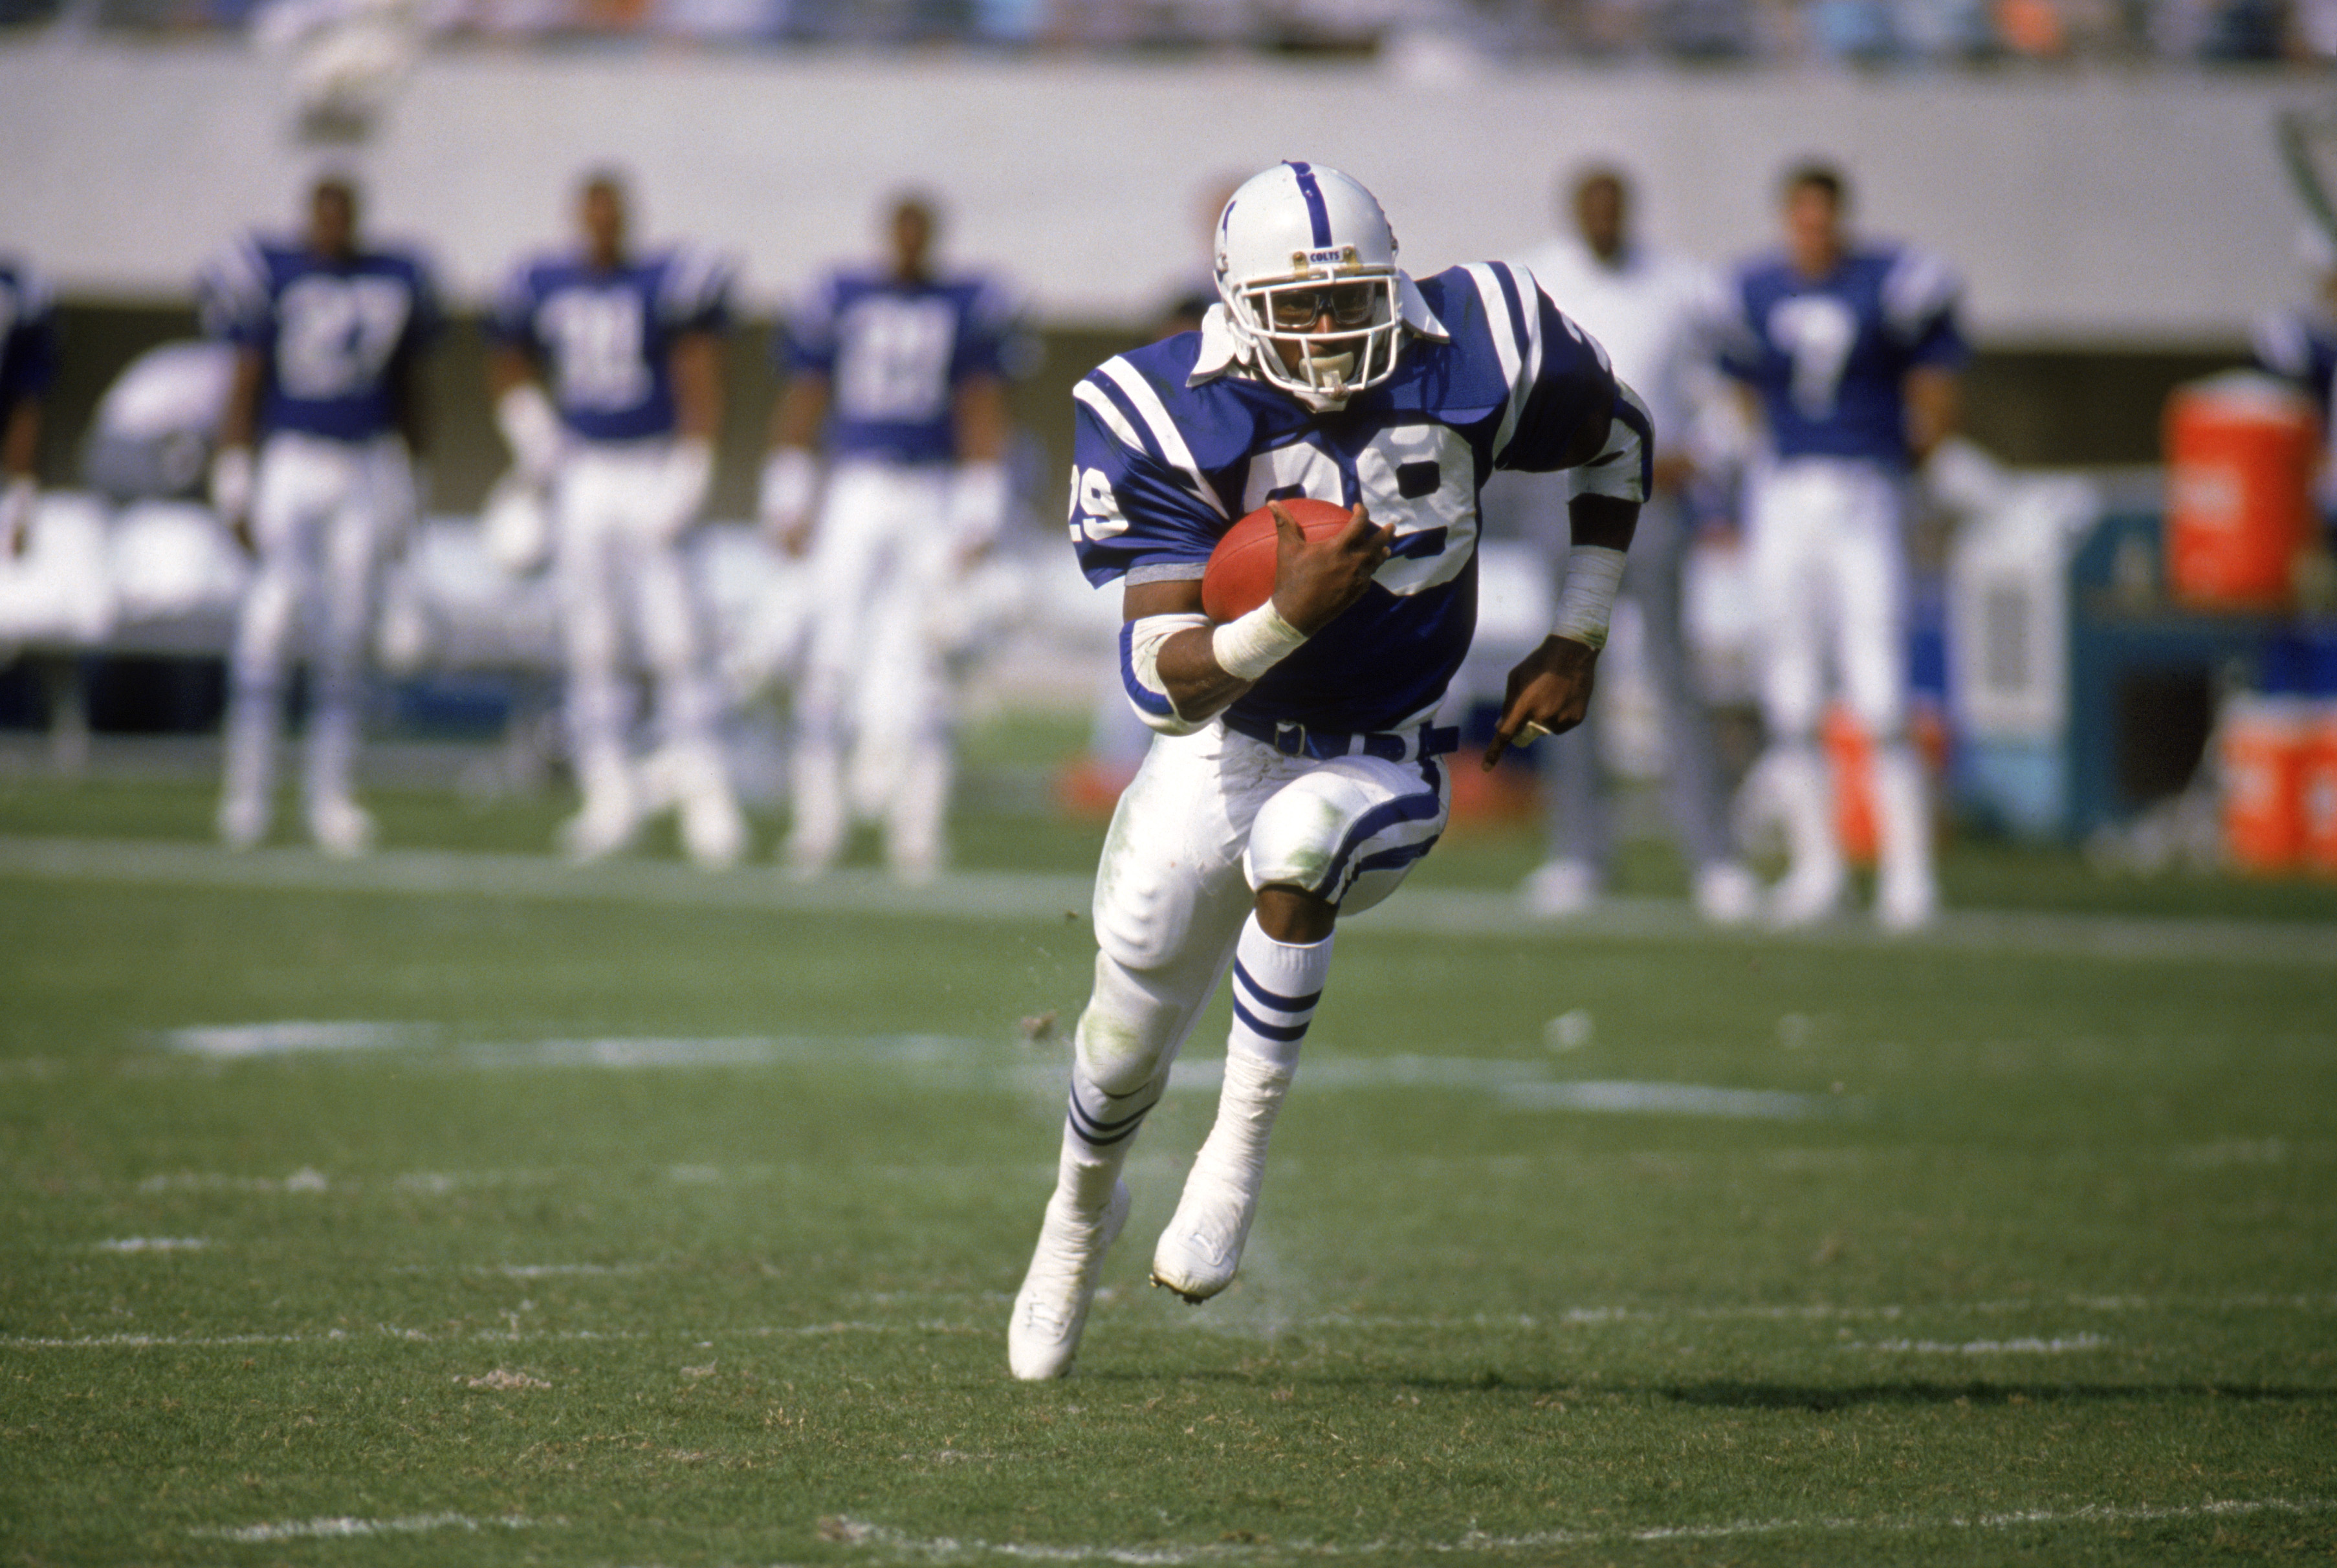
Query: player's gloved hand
(790,479)
(532,430)
(1547,694)
(230,492)
(688,479)
(17,514)
(977,508)
(1312,582)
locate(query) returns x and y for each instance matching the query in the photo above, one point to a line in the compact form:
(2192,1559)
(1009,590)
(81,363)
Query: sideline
(1013,896)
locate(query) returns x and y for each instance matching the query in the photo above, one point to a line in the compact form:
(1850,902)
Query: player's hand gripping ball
(1241,570)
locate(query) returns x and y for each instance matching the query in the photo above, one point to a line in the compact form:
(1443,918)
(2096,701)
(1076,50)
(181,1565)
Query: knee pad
(1295,839)
(1322,830)
(1126,1035)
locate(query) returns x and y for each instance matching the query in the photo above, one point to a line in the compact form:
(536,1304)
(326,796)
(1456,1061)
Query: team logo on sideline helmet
(1305,265)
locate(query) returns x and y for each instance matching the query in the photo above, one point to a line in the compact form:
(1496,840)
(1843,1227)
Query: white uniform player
(898,372)
(326,338)
(1296,776)
(1851,352)
(629,346)
(1656,315)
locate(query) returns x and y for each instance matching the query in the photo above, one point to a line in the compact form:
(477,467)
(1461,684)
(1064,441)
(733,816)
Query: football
(1240,573)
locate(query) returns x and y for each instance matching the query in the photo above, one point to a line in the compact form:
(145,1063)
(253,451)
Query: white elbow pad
(1139,669)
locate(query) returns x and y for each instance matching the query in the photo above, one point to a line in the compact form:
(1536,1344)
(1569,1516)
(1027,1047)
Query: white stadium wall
(2084,208)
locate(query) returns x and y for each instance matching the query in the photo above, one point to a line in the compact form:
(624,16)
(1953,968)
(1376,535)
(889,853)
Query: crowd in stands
(1869,33)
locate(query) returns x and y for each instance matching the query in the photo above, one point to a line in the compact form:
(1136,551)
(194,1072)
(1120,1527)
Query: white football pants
(875,678)
(322,512)
(1829,567)
(1210,818)
(621,580)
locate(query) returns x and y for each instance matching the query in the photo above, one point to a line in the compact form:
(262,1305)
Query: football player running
(1851,351)
(898,370)
(628,344)
(328,334)
(28,365)
(1296,776)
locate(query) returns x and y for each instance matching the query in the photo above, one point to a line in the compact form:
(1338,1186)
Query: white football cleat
(1726,894)
(342,828)
(1560,887)
(243,822)
(1202,1246)
(1807,896)
(713,834)
(1906,902)
(602,828)
(1051,1309)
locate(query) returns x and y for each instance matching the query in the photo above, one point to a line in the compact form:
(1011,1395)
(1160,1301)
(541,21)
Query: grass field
(450,1208)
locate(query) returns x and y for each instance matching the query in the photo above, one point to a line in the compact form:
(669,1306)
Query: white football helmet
(1306,265)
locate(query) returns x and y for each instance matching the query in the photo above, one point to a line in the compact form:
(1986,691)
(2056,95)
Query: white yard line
(1314,1323)
(343,1528)
(900,1544)
(993,896)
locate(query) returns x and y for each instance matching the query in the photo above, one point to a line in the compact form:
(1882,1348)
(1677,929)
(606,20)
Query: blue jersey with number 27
(1829,356)
(605,336)
(332,333)
(1163,465)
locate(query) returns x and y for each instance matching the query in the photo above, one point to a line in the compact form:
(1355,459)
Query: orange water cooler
(2261,748)
(2317,790)
(2241,450)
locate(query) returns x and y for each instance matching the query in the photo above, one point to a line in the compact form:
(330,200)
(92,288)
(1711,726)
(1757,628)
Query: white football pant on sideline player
(324,513)
(875,686)
(1210,818)
(1830,583)
(618,510)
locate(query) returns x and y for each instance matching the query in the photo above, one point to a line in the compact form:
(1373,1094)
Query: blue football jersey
(894,354)
(1829,359)
(1165,463)
(332,334)
(605,338)
(28,333)
(2301,347)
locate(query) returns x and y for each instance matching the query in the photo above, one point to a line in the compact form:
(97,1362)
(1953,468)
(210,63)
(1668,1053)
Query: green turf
(2047,1272)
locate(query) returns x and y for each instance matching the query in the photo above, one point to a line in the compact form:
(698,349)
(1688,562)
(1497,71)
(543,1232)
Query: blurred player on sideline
(1655,314)
(629,346)
(28,365)
(2300,346)
(897,373)
(1297,777)
(1851,352)
(329,335)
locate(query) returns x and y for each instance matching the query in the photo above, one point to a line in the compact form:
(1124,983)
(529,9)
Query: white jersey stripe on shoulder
(1155,415)
(1529,307)
(1098,403)
(1506,347)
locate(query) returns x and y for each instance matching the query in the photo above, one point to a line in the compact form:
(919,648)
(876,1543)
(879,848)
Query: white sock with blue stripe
(1277,986)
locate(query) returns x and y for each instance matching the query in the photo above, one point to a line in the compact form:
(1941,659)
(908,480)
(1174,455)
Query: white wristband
(789,479)
(977,502)
(1593,573)
(531,429)
(1248,646)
